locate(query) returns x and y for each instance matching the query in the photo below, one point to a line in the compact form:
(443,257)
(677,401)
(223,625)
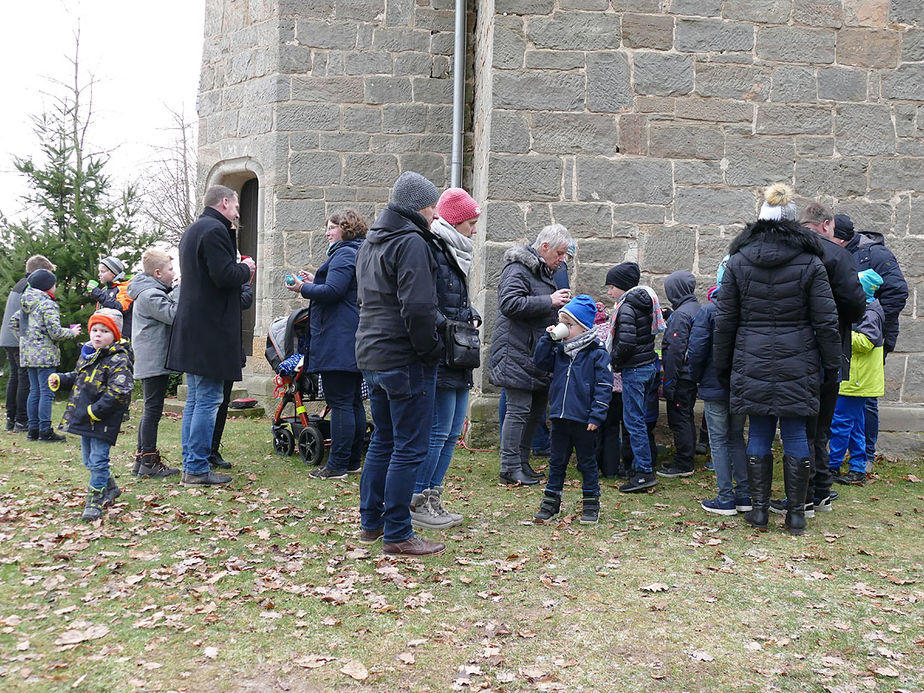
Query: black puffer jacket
(525,310)
(396,293)
(847,292)
(776,322)
(633,341)
(869,252)
(679,289)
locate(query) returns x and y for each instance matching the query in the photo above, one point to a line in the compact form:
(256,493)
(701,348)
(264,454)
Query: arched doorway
(247,245)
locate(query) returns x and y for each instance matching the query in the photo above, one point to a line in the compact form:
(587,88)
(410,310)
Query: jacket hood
(867,238)
(144,282)
(123,345)
(775,243)
(529,258)
(396,221)
(355,243)
(639,299)
(679,287)
(31,298)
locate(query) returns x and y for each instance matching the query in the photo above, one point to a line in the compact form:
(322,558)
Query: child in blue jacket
(579,395)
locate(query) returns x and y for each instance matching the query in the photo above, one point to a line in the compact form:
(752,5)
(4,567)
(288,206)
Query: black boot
(529,471)
(796,477)
(10,425)
(32,434)
(93,509)
(760,477)
(591,511)
(152,467)
(216,461)
(49,436)
(516,477)
(549,508)
(111,492)
(137,464)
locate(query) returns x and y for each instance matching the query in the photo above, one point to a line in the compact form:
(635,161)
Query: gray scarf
(575,344)
(459,245)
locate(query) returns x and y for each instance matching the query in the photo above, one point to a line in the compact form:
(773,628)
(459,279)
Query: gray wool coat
(154,310)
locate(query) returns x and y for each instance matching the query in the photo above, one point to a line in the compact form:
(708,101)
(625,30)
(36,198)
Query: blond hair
(154,259)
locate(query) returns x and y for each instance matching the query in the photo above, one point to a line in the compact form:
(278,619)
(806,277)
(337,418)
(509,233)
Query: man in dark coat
(528,302)
(869,252)
(205,342)
(397,349)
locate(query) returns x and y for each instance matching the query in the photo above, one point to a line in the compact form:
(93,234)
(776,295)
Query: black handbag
(462,345)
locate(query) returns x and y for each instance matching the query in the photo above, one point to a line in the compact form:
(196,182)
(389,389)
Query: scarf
(657,317)
(458,245)
(575,344)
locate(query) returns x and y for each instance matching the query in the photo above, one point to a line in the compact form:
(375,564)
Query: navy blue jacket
(334,313)
(679,289)
(581,387)
(699,355)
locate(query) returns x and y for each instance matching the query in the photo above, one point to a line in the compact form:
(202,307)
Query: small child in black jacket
(102,383)
(578,399)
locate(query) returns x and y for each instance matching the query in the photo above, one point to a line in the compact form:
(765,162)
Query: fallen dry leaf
(655,587)
(74,636)
(312,661)
(886,671)
(700,656)
(355,670)
(210,652)
(405,658)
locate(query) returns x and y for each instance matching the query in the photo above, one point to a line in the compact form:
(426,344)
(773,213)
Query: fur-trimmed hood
(528,257)
(773,243)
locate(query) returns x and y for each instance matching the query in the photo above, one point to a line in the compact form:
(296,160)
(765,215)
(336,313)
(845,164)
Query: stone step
(237,392)
(176,406)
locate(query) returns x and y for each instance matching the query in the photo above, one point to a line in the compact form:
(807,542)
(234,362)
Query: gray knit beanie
(413,191)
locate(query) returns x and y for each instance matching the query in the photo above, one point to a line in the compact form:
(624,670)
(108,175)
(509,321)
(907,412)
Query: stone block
(784,119)
(668,249)
(651,6)
(733,81)
(697,8)
(842,84)
(299,215)
(814,145)
(880,48)
(758,161)
(304,141)
(316,33)
(633,134)
(552,60)
(255,121)
(793,84)
(759,11)
(297,249)
(404,118)
(434,20)
(399,12)
(575,31)
(524,177)
(901,83)
(906,12)
(433,91)
(314,168)
(294,59)
(913,45)
(868,215)
(713,110)
(558,91)
(709,255)
(369,169)
(905,117)
(362,119)
(708,206)
(584,220)
(818,12)
(663,74)
(509,45)
(673,141)
(529,7)
(368,63)
(594,5)
(866,13)
(839,178)
(713,36)
(698,173)
(624,180)
(864,129)
(506,221)
(394,39)
(307,116)
(360,10)
(642,214)
(379,90)
(330,90)
(430,165)
(344,142)
(442,43)
(913,386)
(509,132)
(609,86)
(788,44)
(648,31)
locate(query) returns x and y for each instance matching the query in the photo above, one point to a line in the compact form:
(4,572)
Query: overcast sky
(145,56)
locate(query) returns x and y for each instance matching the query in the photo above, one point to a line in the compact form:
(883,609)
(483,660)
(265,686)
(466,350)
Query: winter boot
(49,436)
(151,467)
(517,477)
(10,425)
(436,502)
(32,434)
(111,492)
(548,508)
(760,477)
(530,472)
(93,510)
(422,514)
(796,476)
(591,510)
(137,463)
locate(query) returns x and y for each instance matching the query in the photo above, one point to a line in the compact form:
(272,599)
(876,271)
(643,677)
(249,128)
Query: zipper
(565,393)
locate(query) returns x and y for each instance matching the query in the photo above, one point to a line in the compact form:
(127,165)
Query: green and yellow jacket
(867,370)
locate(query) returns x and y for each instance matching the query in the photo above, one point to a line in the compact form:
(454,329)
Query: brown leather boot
(415,546)
(152,467)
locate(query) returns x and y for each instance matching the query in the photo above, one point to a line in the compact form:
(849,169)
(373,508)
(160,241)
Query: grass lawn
(263,586)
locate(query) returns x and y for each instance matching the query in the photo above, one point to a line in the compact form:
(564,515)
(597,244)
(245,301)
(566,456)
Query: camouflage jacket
(38,324)
(102,385)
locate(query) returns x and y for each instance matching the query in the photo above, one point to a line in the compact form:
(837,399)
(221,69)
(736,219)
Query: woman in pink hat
(454,226)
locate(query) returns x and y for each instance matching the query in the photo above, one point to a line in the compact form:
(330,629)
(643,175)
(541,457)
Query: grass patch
(263,585)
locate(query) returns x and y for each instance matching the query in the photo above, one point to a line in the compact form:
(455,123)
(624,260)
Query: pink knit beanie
(455,206)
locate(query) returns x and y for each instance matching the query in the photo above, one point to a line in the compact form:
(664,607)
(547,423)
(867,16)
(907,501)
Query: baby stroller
(287,344)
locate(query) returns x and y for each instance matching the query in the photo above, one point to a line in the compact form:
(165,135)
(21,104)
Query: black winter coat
(114,295)
(699,354)
(776,322)
(869,252)
(206,335)
(396,293)
(679,291)
(847,292)
(633,342)
(525,310)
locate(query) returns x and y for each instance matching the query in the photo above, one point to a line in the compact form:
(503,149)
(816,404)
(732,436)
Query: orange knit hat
(108,318)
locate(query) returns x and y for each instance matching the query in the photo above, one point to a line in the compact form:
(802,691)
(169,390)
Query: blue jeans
(726,439)
(636,383)
(202,401)
(792,432)
(847,432)
(872,428)
(448,418)
(342,392)
(96,458)
(402,410)
(567,436)
(40,399)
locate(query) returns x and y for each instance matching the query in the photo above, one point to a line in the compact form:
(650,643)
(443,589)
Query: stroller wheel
(283,440)
(311,445)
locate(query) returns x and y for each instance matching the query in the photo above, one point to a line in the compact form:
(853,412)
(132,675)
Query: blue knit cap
(870,281)
(583,309)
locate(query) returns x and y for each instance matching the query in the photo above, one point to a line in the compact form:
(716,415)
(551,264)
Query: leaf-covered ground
(263,586)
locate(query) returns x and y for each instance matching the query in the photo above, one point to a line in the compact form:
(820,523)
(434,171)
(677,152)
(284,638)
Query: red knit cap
(455,206)
(110,319)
